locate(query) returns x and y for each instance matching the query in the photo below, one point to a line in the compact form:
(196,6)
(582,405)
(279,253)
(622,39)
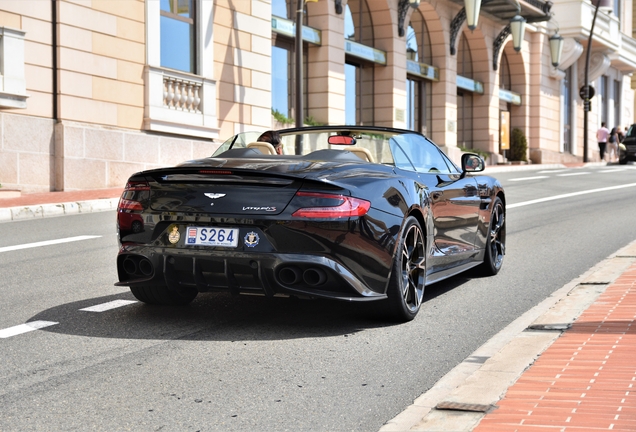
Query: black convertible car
(352,213)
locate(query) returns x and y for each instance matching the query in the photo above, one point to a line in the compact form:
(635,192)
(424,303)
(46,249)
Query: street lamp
(517,28)
(556,47)
(604,4)
(472,13)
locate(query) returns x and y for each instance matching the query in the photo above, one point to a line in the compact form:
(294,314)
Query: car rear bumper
(238,272)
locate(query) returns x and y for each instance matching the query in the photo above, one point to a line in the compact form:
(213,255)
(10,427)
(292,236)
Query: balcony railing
(180,103)
(182,95)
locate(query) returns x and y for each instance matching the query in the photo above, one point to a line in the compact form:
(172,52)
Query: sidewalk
(29,206)
(585,381)
(569,364)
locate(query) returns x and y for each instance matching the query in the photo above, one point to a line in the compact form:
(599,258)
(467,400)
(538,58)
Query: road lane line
(108,306)
(528,178)
(573,194)
(573,174)
(553,171)
(612,170)
(24,328)
(46,243)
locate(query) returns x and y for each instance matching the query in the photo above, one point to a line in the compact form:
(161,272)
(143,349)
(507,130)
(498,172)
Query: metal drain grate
(559,327)
(458,406)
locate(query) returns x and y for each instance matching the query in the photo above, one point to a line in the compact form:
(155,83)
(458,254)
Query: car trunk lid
(221,191)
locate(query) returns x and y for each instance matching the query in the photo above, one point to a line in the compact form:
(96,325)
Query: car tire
(408,274)
(495,240)
(161,295)
(622,159)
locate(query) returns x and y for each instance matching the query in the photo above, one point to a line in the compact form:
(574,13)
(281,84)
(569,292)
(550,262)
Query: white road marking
(573,174)
(528,178)
(108,306)
(46,243)
(24,328)
(552,171)
(558,197)
(612,170)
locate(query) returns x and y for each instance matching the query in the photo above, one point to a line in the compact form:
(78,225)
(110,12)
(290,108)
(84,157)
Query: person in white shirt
(601,136)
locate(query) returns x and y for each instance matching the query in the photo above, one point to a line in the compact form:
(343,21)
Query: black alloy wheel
(408,276)
(495,240)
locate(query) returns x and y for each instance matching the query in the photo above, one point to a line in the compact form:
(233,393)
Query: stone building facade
(92,91)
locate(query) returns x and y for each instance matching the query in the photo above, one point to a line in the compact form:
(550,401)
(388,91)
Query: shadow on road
(222,317)
(215,316)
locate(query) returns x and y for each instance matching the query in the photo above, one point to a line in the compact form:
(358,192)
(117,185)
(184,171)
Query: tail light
(314,205)
(134,194)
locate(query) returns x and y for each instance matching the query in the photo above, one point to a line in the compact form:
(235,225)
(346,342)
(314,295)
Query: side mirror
(472,163)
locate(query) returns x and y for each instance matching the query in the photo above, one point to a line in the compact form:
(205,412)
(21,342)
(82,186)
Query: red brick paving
(585,381)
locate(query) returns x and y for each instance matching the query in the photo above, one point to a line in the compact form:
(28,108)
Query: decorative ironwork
(543,6)
(456,24)
(496,45)
(338,6)
(403,8)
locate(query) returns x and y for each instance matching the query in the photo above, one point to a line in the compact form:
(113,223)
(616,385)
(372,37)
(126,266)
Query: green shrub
(518,146)
(281,118)
(310,121)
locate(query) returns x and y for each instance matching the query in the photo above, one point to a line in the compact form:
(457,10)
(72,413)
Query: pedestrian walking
(601,136)
(612,145)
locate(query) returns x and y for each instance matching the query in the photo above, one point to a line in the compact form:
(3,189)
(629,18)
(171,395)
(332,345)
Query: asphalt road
(248,363)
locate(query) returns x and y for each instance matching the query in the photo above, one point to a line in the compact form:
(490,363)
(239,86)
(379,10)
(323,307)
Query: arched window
(504,73)
(418,90)
(359,76)
(505,83)
(464,97)
(283,89)
(280,8)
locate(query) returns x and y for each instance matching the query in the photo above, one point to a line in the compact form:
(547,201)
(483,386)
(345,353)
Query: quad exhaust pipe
(137,266)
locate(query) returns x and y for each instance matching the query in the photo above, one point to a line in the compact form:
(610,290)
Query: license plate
(208,236)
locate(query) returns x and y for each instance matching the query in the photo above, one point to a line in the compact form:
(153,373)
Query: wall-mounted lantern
(556,47)
(518,29)
(472,13)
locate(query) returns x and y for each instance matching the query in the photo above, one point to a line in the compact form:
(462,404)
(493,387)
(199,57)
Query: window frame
(201,122)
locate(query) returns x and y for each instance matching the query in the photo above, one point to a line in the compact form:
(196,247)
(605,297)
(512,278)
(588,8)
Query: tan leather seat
(362,153)
(263,147)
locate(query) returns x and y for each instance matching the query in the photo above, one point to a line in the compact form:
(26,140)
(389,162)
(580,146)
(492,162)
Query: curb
(50,210)
(462,397)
